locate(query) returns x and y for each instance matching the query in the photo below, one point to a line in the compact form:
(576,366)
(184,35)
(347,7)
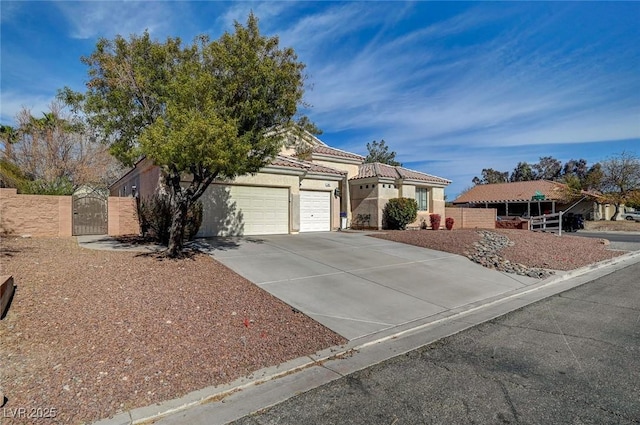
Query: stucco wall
(351,169)
(144,177)
(370,197)
(364,201)
(437,202)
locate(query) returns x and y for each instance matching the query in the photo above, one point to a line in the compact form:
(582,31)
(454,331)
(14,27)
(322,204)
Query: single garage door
(315,211)
(244,210)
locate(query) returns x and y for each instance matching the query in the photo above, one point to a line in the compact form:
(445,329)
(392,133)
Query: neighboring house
(292,195)
(518,199)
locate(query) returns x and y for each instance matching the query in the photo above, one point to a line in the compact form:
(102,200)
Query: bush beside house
(398,212)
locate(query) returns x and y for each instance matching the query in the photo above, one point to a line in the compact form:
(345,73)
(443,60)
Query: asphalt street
(626,241)
(572,358)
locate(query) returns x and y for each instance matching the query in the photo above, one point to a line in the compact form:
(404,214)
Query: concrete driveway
(357,285)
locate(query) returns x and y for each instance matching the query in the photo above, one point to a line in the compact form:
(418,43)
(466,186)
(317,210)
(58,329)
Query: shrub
(154,216)
(59,186)
(435,221)
(449,223)
(399,212)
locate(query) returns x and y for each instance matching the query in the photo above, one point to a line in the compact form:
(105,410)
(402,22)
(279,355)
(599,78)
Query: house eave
(338,159)
(415,182)
(288,171)
(323,176)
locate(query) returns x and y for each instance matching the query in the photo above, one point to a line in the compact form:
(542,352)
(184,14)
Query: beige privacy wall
(123,216)
(470,218)
(51,216)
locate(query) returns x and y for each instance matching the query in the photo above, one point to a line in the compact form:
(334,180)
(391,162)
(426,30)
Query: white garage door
(244,210)
(315,211)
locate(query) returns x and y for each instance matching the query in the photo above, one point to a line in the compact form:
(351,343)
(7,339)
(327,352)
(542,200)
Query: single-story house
(531,198)
(292,195)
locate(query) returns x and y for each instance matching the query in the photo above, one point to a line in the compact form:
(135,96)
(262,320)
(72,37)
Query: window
(422,198)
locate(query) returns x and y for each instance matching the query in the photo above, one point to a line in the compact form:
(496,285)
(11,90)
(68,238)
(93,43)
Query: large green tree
(491,176)
(522,173)
(548,168)
(201,111)
(379,152)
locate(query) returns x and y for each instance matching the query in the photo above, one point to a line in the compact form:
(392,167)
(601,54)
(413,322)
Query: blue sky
(452,87)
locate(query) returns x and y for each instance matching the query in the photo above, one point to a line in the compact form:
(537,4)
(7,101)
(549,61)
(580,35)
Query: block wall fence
(51,216)
(470,218)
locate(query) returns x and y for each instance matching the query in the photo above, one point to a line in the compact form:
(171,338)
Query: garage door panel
(245,210)
(315,211)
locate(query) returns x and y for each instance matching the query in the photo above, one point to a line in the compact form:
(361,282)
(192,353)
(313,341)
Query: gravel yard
(92,333)
(532,249)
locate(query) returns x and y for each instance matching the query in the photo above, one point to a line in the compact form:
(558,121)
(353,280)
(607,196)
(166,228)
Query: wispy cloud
(108,18)
(504,90)
(13,102)
(452,87)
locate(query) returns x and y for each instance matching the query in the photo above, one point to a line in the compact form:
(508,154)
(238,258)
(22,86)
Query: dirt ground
(532,249)
(92,333)
(616,226)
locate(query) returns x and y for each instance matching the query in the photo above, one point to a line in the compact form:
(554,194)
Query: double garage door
(258,210)
(244,210)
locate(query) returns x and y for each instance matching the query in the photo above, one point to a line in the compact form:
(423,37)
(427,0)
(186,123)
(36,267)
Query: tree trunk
(614,217)
(178,224)
(181,200)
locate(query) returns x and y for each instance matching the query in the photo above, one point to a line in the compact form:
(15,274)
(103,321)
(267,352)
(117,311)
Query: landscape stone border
(487,254)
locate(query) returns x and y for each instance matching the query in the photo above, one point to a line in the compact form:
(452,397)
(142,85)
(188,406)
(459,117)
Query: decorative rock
(487,255)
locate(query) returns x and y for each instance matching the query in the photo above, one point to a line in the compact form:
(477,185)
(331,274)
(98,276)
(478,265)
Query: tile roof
(326,150)
(516,191)
(287,161)
(378,169)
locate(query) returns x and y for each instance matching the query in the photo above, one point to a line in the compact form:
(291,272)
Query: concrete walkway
(357,285)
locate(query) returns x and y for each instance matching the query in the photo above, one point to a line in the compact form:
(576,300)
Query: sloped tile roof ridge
(310,166)
(287,161)
(328,150)
(431,176)
(386,170)
(510,191)
(378,169)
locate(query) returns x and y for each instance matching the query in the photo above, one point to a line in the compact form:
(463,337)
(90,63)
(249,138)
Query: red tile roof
(287,161)
(326,150)
(378,169)
(516,191)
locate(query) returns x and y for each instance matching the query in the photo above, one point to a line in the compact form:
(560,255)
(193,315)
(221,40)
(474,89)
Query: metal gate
(89,215)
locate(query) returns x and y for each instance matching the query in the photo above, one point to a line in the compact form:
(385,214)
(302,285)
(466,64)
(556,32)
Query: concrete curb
(390,343)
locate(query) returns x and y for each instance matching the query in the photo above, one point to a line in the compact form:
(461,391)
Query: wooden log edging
(6,292)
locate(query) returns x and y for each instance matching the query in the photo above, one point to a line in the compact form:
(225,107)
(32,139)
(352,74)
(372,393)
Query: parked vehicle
(632,215)
(572,222)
